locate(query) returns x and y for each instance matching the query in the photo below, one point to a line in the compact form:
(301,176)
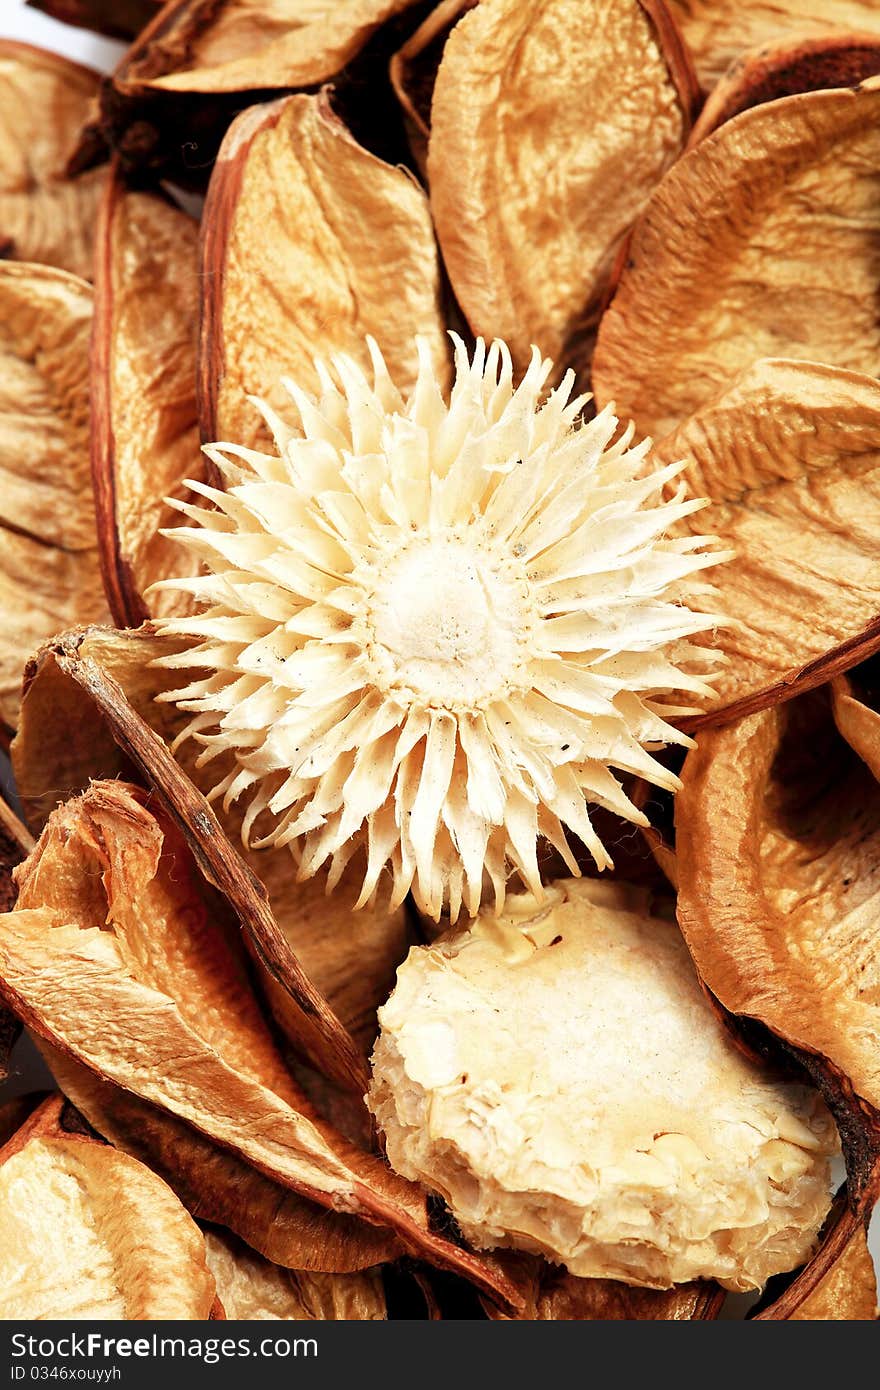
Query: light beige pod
(558,1077)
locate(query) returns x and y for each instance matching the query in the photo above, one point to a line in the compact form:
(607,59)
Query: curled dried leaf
(217,1186)
(789,456)
(342,235)
(49,574)
(87,1232)
(784,68)
(761,242)
(44,215)
(252,1289)
(145,437)
(247,45)
(717,31)
(609,114)
(113,924)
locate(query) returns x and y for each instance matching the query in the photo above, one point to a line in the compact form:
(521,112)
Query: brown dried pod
(217,1186)
(341,236)
(145,438)
(782,69)
(777,832)
(50,572)
(847,1293)
(717,31)
(16,843)
(44,215)
(87,1232)
(187,1035)
(553,1295)
(413,72)
(736,258)
(350,957)
(789,456)
(252,1289)
(531,262)
(118,19)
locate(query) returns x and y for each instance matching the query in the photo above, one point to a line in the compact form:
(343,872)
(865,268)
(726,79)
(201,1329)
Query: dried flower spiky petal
(252,1289)
(49,572)
(313,282)
(786,444)
(87,1232)
(634,1168)
(609,116)
(736,258)
(44,215)
(433,630)
(113,924)
(718,31)
(253,45)
(145,436)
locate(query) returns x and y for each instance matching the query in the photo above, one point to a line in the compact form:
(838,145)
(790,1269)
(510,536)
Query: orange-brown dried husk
(118,19)
(310,243)
(763,241)
(217,1186)
(251,45)
(65,739)
(119,955)
(530,260)
(145,437)
(848,1293)
(45,216)
(789,455)
(717,31)
(252,1289)
(49,572)
(413,72)
(553,1295)
(90,1233)
(784,68)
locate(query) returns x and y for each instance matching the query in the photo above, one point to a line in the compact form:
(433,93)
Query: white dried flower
(558,1076)
(432,629)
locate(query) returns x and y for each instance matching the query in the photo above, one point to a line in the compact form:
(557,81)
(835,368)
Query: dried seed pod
(638,1169)
(145,437)
(413,72)
(784,68)
(65,741)
(187,1035)
(44,215)
(118,19)
(50,571)
(609,114)
(243,46)
(718,31)
(217,1186)
(552,1295)
(848,1293)
(358,237)
(88,1233)
(252,1289)
(736,258)
(786,444)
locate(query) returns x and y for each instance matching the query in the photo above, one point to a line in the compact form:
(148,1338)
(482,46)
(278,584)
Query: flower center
(450,621)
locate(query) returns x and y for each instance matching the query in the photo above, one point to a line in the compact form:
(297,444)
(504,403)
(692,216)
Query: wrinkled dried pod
(718,31)
(49,571)
(341,237)
(251,45)
(252,1289)
(739,256)
(637,1167)
(783,69)
(65,740)
(608,115)
(789,455)
(187,1034)
(145,437)
(45,216)
(88,1233)
(118,19)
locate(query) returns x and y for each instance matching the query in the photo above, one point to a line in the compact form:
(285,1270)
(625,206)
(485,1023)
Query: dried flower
(434,629)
